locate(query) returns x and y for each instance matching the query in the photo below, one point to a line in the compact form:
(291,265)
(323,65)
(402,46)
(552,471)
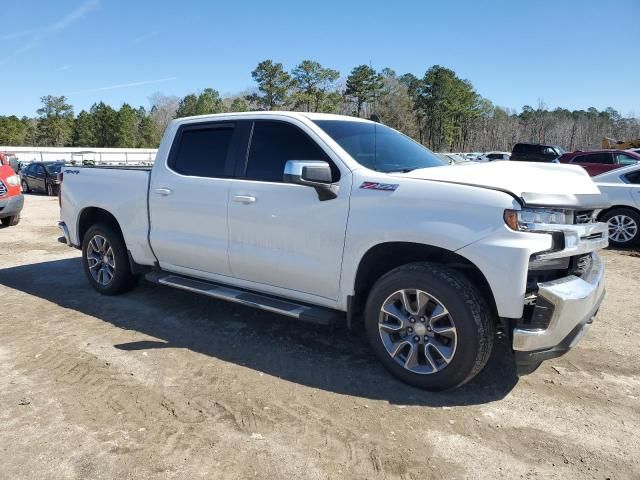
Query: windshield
(53,167)
(379,148)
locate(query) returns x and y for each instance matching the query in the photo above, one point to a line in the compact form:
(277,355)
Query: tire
(112,259)
(25,187)
(624,227)
(11,221)
(49,189)
(467,347)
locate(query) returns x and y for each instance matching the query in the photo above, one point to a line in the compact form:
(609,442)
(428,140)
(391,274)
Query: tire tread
(478,308)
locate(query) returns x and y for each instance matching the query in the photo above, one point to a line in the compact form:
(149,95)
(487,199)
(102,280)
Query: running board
(307,313)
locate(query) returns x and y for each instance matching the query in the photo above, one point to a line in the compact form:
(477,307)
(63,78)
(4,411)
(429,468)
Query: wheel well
(616,207)
(384,257)
(93,215)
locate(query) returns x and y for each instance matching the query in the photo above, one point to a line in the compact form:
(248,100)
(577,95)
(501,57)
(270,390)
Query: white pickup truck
(311,215)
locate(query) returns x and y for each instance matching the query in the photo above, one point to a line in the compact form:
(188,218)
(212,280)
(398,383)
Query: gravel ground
(160,383)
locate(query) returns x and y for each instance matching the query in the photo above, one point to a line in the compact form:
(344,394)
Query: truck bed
(120,190)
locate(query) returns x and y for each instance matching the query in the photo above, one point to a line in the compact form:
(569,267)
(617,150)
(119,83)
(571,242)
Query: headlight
(536,219)
(13,180)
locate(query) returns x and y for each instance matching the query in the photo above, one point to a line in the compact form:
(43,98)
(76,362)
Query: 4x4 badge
(390,187)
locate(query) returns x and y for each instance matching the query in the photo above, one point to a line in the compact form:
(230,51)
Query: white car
(311,215)
(453,159)
(622,187)
(493,156)
(471,156)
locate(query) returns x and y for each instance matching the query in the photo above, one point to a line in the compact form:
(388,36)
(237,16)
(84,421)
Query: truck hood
(533,184)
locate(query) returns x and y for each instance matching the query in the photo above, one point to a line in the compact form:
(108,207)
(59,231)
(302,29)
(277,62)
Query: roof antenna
(374,118)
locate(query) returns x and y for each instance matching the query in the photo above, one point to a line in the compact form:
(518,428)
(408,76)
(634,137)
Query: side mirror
(311,173)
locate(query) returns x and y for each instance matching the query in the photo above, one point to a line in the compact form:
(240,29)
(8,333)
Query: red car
(596,162)
(11,199)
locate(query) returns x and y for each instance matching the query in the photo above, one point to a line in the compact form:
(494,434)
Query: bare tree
(163,109)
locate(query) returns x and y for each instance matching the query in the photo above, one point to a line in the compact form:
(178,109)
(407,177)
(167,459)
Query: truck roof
(274,113)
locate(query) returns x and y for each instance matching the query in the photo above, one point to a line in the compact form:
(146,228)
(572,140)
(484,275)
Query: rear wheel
(105,261)
(11,221)
(624,227)
(428,326)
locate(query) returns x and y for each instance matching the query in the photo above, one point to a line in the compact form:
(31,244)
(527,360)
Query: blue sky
(571,53)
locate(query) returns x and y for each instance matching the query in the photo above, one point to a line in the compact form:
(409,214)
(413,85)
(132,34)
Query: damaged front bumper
(570,304)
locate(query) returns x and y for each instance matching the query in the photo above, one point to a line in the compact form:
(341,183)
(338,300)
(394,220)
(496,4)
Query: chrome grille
(3,189)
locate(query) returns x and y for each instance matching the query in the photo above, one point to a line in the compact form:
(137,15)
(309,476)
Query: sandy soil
(164,384)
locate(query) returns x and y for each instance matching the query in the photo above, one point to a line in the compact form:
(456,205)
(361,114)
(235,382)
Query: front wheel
(624,227)
(25,187)
(428,326)
(50,192)
(105,261)
(11,221)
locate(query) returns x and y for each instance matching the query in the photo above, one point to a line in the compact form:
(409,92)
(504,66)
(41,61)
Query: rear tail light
(60,175)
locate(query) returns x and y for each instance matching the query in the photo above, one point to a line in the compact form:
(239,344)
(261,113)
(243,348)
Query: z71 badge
(389,187)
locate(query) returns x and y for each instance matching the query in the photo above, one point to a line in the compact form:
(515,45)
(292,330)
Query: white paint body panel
(295,243)
(617,190)
(123,193)
(288,243)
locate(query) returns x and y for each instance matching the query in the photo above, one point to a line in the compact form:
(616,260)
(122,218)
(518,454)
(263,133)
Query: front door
(188,200)
(37,179)
(282,235)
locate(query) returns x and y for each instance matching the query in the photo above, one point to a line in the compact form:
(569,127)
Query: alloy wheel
(101,260)
(622,228)
(417,331)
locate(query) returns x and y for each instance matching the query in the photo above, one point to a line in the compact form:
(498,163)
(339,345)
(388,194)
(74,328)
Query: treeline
(439,109)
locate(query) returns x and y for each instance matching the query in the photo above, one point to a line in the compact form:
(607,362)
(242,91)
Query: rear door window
(273,144)
(602,158)
(633,177)
(203,150)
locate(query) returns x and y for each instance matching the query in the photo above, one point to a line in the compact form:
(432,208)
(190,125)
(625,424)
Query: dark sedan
(41,177)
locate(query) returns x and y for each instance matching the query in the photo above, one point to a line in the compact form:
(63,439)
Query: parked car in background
(493,156)
(453,158)
(42,177)
(536,152)
(11,199)
(596,162)
(622,188)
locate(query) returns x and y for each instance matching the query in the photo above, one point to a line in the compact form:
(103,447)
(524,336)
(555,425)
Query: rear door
(634,179)
(188,199)
(282,235)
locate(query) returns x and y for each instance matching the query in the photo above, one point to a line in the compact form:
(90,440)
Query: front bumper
(11,206)
(574,302)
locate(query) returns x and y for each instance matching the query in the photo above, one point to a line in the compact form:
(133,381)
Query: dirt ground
(160,383)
